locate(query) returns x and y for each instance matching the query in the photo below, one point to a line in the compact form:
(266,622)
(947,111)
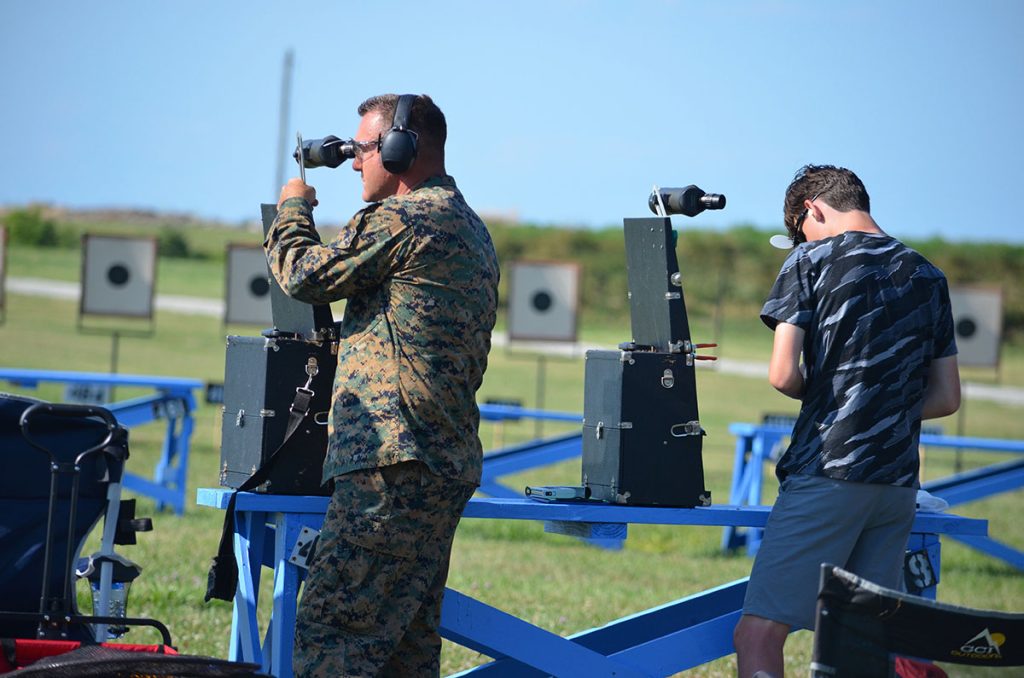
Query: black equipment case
(641,435)
(642,438)
(261,375)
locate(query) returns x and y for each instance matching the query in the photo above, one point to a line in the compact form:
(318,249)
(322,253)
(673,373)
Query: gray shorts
(861,527)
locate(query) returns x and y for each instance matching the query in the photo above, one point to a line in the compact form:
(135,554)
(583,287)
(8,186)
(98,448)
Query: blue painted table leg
(286,593)
(761,454)
(249,536)
(731,536)
(756,470)
(172,467)
(166,455)
(183,442)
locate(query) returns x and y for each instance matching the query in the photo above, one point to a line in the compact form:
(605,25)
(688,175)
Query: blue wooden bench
(657,642)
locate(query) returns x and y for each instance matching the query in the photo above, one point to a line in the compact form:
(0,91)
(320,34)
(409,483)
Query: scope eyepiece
(689,201)
(327,152)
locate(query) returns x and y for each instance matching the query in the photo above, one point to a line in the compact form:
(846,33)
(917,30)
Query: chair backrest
(860,625)
(25,481)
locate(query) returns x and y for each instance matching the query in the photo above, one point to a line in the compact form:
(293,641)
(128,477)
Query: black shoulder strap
(222,581)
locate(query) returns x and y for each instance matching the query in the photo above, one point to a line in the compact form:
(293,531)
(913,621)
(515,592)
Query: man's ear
(816,213)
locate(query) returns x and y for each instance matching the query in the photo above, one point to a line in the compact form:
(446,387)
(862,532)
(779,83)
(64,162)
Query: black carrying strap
(222,581)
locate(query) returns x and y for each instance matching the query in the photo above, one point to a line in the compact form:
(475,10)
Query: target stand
(118,281)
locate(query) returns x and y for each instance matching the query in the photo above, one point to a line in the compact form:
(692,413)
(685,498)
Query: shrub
(29,227)
(173,244)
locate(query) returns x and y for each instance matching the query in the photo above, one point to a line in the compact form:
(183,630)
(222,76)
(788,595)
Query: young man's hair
(840,188)
(425,119)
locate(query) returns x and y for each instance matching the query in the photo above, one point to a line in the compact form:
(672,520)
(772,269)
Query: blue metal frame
(656,642)
(529,455)
(535,453)
(757,444)
(173,401)
(532,454)
(494,412)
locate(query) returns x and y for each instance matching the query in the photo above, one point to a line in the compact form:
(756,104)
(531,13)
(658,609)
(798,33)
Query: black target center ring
(966,327)
(542,301)
(118,275)
(259,286)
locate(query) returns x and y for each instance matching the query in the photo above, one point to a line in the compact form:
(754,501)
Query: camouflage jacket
(420,277)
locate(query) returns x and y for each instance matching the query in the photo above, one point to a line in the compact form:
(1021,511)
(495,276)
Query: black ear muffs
(398,145)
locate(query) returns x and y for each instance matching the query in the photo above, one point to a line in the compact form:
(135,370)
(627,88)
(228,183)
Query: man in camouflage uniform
(419,271)
(872,320)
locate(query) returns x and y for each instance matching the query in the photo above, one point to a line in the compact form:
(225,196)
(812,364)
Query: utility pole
(283,136)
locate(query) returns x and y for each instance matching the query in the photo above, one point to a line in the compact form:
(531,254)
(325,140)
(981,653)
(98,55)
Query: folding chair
(60,471)
(861,627)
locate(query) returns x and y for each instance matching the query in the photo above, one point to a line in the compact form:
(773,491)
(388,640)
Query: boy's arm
(942,395)
(784,369)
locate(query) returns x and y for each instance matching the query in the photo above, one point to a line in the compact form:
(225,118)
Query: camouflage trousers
(371,605)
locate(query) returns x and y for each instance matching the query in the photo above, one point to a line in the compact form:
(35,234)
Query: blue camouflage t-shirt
(875,314)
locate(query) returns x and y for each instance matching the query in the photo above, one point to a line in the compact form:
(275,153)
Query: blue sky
(560,112)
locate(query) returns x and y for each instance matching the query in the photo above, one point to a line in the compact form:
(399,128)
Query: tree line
(729,271)
(733,270)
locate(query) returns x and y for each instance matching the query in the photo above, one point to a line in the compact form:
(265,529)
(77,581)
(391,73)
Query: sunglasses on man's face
(798,230)
(361,148)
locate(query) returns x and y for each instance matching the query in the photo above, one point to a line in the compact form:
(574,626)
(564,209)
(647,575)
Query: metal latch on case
(668,379)
(690,428)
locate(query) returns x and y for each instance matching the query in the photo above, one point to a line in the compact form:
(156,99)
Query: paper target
(978,324)
(118,275)
(543,301)
(248,287)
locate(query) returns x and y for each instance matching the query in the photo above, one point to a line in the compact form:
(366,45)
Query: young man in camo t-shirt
(871,319)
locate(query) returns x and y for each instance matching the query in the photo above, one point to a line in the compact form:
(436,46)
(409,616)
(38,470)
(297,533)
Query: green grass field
(554,581)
